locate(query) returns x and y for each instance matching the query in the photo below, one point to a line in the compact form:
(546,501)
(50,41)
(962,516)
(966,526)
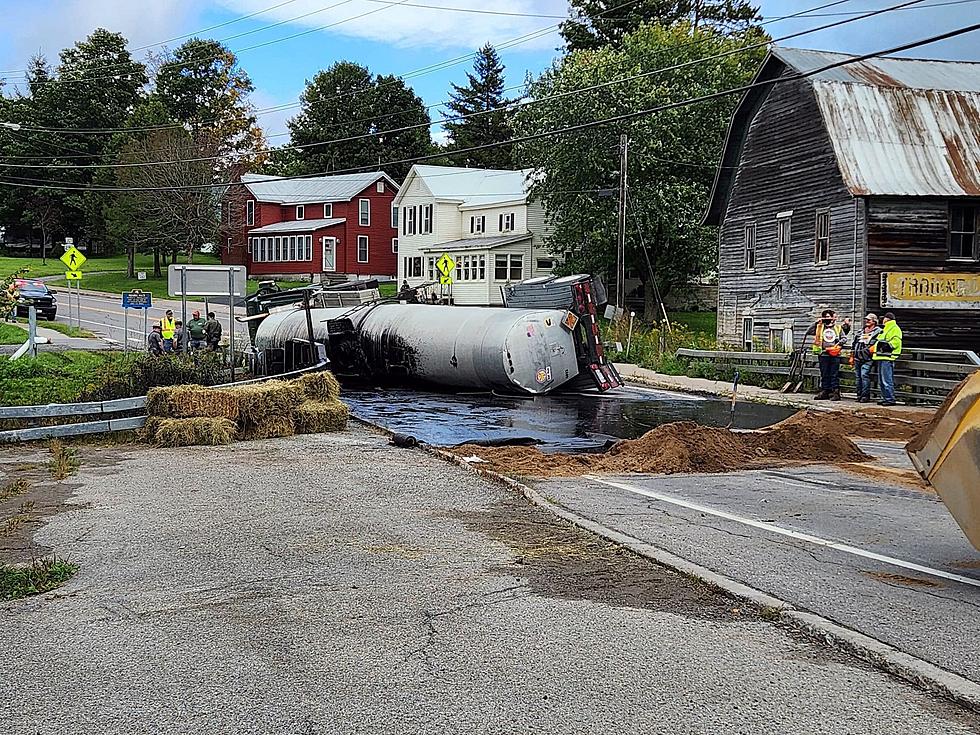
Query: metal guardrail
(929,379)
(102,408)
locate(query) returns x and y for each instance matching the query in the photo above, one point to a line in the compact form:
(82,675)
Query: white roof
(339,188)
(300,225)
(903,127)
(474,186)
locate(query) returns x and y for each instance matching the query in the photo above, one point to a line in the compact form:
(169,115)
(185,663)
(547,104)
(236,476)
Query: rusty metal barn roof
(904,127)
(899,127)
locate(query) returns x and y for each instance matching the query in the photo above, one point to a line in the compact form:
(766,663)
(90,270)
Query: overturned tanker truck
(545,337)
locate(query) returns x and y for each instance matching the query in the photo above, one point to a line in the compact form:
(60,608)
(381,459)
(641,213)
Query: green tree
(347,101)
(489,121)
(201,86)
(673,153)
(598,23)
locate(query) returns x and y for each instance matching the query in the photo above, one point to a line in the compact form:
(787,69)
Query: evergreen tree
(488,121)
(598,23)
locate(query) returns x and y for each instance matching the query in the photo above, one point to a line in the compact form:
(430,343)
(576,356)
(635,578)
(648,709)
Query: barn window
(963,228)
(328,211)
(364,212)
(750,246)
(300,212)
(821,248)
(783,236)
(250,212)
(748,325)
(362,249)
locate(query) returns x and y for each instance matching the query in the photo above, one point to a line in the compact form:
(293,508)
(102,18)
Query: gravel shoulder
(336,584)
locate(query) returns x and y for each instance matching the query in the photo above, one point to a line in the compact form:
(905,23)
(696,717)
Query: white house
(480,217)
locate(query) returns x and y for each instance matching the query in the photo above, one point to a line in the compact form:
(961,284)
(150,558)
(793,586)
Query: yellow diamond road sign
(445,264)
(73,275)
(73,258)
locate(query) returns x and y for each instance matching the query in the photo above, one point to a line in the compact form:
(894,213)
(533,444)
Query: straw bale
(194,431)
(261,401)
(315,417)
(319,386)
(186,401)
(270,426)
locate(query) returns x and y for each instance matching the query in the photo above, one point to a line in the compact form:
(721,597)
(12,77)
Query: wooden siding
(787,164)
(910,235)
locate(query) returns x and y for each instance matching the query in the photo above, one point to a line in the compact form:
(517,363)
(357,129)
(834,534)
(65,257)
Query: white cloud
(272,120)
(406,26)
(48,26)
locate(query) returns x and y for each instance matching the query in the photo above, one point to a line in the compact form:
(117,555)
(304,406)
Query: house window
(300,212)
(544,264)
(821,248)
(394,216)
(478,225)
(250,213)
(506,222)
(364,212)
(380,187)
(432,269)
(394,245)
(508,267)
(408,228)
(964,225)
(327,211)
(425,224)
(783,236)
(747,327)
(413,267)
(362,249)
(780,338)
(750,247)
(292,247)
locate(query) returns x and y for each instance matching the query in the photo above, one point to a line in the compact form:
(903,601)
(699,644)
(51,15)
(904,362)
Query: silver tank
(459,346)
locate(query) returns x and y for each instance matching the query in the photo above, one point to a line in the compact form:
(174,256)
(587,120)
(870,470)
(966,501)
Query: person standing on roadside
(167,328)
(195,329)
(212,332)
(887,349)
(154,342)
(180,336)
(828,341)
(861,356)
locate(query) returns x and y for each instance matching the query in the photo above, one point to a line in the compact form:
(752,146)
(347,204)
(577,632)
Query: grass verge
(41,575)
(12,335)
(53,377)
(37,269)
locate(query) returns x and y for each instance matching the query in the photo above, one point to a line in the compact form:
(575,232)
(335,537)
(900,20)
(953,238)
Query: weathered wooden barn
(855,188)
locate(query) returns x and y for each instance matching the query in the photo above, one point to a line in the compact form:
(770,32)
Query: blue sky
(393,39)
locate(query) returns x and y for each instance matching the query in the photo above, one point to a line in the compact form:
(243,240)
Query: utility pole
(621,240)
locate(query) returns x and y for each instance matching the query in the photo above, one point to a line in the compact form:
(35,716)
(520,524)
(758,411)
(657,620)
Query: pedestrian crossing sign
(446,280)
(73,275)
(74,259)
(446,264)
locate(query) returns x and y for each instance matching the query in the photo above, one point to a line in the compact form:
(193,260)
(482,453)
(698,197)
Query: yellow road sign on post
(445,280)
(73,275)
(73,258)
(446,264)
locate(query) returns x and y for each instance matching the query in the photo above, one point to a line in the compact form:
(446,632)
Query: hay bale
(319,386)
(194,432)
(186,401)
(266,401)
(270,427)
(315,417)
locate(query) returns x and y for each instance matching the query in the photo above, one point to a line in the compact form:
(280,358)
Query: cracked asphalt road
(334,584)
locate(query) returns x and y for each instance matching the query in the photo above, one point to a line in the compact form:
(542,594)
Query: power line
(515,104)
(560,131)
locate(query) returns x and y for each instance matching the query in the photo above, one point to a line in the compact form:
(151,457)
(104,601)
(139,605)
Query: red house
(329,228)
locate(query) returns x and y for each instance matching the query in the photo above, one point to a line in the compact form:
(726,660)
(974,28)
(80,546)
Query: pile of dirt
(681,447)
(871,423)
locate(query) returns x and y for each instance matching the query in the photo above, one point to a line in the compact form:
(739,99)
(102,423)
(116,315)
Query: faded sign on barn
(930,290)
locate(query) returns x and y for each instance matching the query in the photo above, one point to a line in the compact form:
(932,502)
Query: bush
(135,376)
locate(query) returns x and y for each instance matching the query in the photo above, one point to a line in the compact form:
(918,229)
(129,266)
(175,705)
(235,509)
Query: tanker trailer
(527,350)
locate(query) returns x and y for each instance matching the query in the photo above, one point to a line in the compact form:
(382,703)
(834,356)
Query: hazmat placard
(74,259)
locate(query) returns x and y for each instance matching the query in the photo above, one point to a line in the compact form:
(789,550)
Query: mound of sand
(684,446)
(871,423)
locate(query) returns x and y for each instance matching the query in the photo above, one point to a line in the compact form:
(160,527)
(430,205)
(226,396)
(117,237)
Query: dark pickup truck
(38,294)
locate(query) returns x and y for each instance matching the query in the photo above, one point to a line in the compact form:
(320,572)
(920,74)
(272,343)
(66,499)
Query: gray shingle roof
(339,188)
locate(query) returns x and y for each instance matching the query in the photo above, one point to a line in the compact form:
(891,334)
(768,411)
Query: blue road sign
(137,300)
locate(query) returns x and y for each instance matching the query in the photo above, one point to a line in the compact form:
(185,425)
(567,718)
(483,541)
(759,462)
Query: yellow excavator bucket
(947,455)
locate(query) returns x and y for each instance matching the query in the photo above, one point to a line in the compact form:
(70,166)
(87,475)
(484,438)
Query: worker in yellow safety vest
(886,350)
(828,341)
(167,329)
